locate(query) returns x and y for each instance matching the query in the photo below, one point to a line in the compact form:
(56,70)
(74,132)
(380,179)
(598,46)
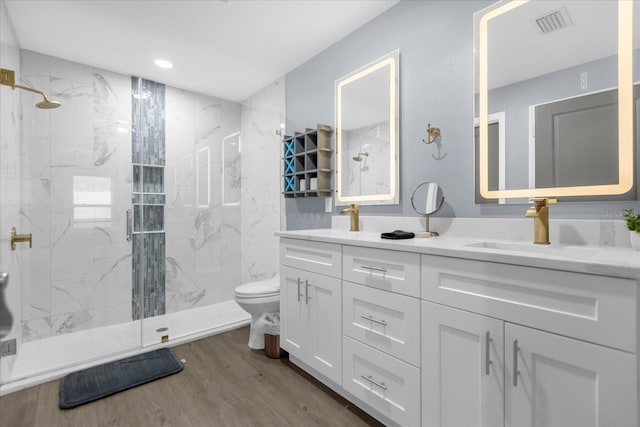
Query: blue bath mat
(101,381)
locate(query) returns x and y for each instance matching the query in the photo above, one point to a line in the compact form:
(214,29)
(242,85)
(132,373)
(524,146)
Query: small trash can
(272,346)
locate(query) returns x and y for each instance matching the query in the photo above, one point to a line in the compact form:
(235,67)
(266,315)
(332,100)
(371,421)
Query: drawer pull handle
(374,382)
(299,294)
(515,363)
(382,270)
(306,292)
(379,322)
(487,353)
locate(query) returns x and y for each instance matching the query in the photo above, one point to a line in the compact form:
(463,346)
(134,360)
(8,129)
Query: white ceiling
(224,48)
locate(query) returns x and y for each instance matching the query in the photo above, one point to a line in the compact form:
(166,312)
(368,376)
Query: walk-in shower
(84,293)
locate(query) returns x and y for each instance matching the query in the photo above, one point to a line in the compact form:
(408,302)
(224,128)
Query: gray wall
(435,39)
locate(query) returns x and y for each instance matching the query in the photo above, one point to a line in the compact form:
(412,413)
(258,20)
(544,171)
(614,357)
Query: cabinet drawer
(317,257)
(383,320)
(593,308)
(385,383)
(388,270)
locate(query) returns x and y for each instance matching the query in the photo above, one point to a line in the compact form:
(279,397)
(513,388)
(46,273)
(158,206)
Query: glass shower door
(67,180)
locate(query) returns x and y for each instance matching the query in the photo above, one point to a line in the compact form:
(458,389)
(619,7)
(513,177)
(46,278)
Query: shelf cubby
(307,160)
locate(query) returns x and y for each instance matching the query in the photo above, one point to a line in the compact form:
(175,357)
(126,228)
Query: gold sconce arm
(18,238)
(432,134)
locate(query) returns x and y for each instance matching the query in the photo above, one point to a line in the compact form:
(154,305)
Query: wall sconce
(432,134)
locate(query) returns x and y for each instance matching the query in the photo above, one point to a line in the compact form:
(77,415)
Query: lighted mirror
(367,115)
(555,100)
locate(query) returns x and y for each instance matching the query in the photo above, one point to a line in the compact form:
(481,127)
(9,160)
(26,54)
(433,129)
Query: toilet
(257,298)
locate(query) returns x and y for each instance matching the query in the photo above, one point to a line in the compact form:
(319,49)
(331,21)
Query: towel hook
(432,134)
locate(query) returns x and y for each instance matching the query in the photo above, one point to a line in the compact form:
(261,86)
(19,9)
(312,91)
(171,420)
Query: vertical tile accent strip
(148,157)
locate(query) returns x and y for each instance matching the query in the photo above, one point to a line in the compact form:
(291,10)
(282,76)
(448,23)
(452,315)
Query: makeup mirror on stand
(426,199)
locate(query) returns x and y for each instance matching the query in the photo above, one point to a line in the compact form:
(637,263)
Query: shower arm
(8,78)
(30,90)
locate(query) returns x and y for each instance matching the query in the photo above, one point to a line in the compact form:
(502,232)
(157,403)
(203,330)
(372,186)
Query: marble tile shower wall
(78,274)
(202,234)
(262,115)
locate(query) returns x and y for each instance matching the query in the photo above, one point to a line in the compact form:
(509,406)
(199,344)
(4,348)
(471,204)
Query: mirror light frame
(392,60)
(625,113)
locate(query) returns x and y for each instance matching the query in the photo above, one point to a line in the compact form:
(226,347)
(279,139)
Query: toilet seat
(261,289)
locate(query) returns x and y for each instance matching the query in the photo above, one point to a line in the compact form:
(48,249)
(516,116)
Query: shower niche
(307,163)
(148,199)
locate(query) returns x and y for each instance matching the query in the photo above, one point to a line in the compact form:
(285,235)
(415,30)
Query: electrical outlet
(328,204)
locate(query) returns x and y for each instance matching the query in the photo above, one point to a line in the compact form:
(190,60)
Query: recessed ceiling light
(163,63)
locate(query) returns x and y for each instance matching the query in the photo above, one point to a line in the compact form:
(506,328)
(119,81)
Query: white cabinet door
(311,320)
(566,382)
(293,312)
(462,368)
(323,298)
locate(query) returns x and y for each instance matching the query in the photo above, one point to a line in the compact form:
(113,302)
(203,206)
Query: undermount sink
(564,251)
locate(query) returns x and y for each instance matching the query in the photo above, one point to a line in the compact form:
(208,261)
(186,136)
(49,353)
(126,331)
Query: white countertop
(601,260)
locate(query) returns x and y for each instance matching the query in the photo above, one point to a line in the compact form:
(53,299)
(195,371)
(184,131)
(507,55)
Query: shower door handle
(6,320)
(129,225)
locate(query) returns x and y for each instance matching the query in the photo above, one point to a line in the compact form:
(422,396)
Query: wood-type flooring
(224,383)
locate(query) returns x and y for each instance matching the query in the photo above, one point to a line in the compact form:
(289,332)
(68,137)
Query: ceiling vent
(554,21)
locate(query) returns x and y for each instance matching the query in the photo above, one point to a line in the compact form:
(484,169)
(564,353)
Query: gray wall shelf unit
(307,163)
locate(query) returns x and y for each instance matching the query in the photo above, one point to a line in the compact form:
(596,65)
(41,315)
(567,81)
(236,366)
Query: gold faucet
(354,210)
(540,213)
(17,238)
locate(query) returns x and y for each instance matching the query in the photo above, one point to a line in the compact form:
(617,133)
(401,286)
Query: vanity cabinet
(423,339)
(310,305)
(544,378)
